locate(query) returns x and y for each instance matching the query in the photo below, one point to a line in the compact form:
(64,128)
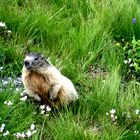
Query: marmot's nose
(27,64)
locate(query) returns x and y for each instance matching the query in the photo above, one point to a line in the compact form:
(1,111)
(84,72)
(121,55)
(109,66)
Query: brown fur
(40,85)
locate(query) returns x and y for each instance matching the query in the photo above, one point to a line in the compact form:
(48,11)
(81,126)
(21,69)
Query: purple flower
(133,20)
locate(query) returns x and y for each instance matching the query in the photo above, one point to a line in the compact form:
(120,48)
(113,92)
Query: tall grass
(77,36)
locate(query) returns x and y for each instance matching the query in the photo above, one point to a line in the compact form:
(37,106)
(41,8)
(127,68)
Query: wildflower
(131,65)
(48,108)
(23,98)
(17,135)
(47,115)
(136,132)
(9,103)
(6,133)
(42,112)
(125,61)
(2,127)
(5,102)
(29,133)
(1,68)
(32,127)
(137,111)
(113,111)
(4,82)
(117,44)
(2,24)
(22,135)
(133,20)
(112,116)
(42,107)
(106,113)
(9,32)
(129,60)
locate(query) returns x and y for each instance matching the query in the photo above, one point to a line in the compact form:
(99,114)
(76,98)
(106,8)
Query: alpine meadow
(96,44)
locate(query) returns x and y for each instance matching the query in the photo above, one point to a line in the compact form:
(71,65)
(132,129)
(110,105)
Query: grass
(77,36)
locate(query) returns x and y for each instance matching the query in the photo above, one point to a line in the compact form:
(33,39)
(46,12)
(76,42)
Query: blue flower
(133,20)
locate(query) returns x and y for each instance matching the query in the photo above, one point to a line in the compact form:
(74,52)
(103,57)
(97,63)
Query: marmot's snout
(27,64)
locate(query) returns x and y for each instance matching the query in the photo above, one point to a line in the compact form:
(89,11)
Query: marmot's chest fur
(37,83)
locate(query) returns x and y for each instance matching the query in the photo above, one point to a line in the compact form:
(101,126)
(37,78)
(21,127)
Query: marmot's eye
(36,58)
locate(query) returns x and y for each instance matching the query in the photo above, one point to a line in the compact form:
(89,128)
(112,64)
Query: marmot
(45,83)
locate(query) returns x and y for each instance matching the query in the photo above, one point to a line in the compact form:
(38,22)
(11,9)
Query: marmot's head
(35,61)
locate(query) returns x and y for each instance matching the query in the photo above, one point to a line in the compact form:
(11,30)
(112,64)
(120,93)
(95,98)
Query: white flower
(17,135)
(2,24)
(48,108)
(23,98)
(21,94)
(131,65)
(137,111)
(136,132)
(125,61)
(42,107)
(6,133)
(9,32)
(9,103)
(22,135)
(2,127)
(5,102)
(42,112)
(129,60)
(29,133)
(115,117)
(1,68)
(47,115)
(112,116)
(32,127)
(113,111)
(5,82)
(106,113)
